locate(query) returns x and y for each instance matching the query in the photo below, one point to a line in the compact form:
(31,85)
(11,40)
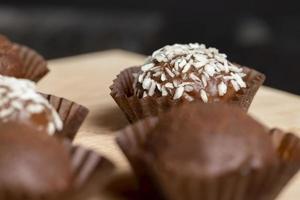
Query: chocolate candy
(10,61)
(20,102)
(209,140)
(191,72)
(32,162)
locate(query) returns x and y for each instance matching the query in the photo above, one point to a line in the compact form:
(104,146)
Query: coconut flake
(203,96)
(182,63)
(147,67)
(186,67)
(170,73)
(169,85)
(188,97)
(236,87)
(194,77)
(179,92)
(152,88)
(222,88)
(210,70)
(163,77)
(188,88)
(164,91)
(145,94)
(147,83)
(157,74)
(204,80)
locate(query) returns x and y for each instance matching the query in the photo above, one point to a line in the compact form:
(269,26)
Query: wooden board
(86,80)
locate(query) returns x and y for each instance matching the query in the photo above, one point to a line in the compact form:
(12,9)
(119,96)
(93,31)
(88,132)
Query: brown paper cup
(34,65)
(245,97)
(136,108)
(71,114)
(259,184)
(90,172)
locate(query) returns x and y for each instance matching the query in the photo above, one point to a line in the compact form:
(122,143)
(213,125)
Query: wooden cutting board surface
(86,80)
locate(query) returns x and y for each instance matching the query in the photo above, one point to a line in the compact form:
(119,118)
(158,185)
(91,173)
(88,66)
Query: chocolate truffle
(10,61)
(189,71)
(31,162)
(20,102)
(208,141)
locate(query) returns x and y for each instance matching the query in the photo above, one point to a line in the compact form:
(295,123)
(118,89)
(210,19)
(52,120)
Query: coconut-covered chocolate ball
(20,102)
(189,71)
(10,61)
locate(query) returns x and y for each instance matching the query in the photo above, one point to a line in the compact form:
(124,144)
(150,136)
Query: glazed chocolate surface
(31,162)
(10,61)
(209,140)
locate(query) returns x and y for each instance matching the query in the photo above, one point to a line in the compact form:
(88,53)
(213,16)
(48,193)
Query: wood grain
(86,80)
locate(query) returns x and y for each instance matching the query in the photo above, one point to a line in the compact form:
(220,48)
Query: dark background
(260,34)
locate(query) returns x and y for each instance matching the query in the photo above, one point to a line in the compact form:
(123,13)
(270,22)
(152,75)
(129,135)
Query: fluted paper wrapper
(71,114)
(34,65)
(254,81)
(89,170)
(260,184)
(136,108)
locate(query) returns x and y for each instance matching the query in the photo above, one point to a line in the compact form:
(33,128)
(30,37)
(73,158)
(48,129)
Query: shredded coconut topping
(19,95)
(179,69)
